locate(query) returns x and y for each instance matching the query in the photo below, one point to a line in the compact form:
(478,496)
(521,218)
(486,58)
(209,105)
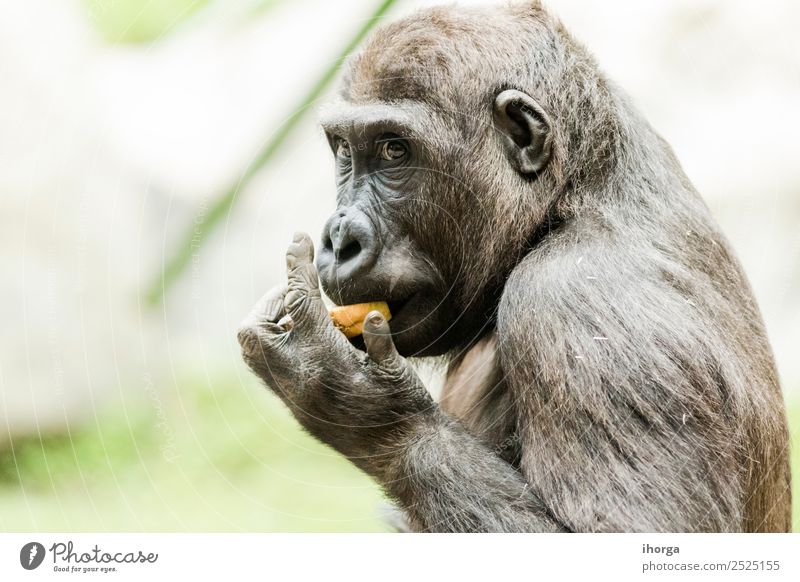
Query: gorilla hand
(355,402)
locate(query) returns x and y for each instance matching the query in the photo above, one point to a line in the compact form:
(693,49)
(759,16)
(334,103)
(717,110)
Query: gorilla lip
(396,305)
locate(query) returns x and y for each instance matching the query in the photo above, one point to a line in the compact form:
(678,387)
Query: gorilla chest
(476,394)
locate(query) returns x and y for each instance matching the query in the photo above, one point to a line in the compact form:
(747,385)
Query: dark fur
(628,384)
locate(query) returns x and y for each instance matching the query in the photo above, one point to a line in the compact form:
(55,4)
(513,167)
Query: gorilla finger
(301,272)
(378,339)
(286,323)
(303,300)
(275,310)
(300,252)
(269,308)
(256,340)
(303,303)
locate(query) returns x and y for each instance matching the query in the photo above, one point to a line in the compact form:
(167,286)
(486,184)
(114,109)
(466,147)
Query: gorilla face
(404,231)
(370,247)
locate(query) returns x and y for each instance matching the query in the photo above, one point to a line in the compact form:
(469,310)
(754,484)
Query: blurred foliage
(136,21)
(131,21)
(212,456)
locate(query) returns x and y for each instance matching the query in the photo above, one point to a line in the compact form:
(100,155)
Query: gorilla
(607,365)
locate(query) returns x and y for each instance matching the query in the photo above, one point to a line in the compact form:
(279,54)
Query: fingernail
(297,237)
(375,318)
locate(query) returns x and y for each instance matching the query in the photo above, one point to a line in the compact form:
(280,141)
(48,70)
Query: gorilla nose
(349,248)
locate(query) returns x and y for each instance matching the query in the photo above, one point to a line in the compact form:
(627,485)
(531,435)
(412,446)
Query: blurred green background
(231,459)
(134,21)
(125,149)
(226,469)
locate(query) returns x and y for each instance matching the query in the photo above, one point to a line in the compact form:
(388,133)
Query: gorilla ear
(524,129)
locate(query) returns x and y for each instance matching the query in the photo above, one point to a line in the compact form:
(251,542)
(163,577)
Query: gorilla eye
(343,149)
(393,149)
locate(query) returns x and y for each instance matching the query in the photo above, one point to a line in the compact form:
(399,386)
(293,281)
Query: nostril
(347,245)
(349,251)
(327,242)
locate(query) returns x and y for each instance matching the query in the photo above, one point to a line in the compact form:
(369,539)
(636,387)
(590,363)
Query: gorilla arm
(450,481)
(619,380)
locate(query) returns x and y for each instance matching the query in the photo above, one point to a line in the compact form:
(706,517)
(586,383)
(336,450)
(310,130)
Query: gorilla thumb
(378,339)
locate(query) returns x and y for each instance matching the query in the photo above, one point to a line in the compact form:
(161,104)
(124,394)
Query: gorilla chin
(420,325)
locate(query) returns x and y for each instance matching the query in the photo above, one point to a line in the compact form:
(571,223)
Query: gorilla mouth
(407,301)
(396,305)
(410,315)
(358,310)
